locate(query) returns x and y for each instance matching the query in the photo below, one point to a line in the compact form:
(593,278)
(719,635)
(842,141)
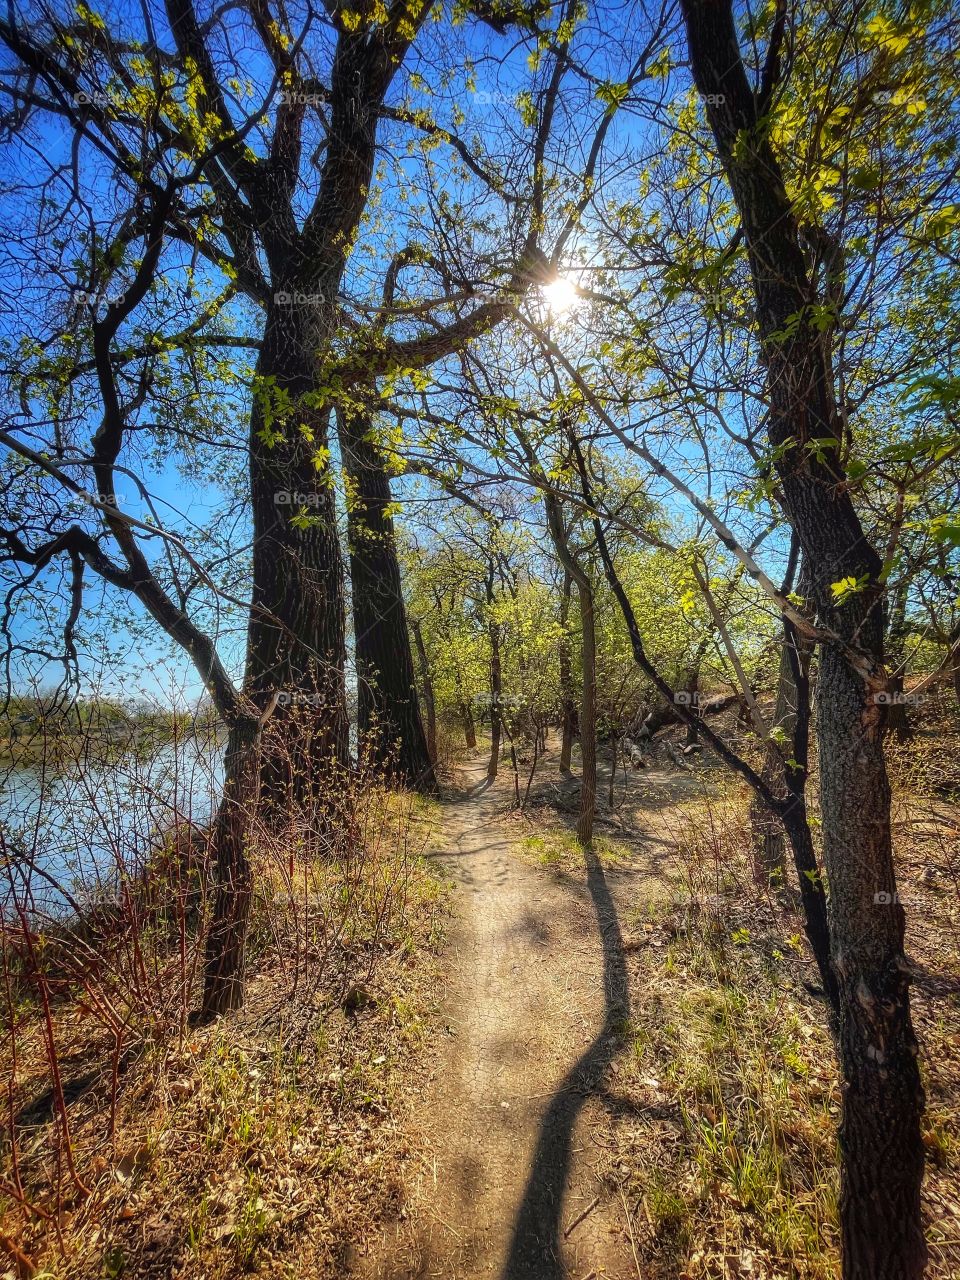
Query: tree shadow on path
(535,1244)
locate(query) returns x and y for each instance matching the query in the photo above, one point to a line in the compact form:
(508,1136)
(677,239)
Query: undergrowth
(727,1096)
(265,1144)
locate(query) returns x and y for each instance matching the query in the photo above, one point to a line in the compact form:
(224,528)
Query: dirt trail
(532,1023)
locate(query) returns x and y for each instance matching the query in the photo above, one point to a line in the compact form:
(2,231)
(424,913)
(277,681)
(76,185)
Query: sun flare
(560,295)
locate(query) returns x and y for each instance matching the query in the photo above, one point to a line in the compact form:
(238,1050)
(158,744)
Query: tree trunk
(426,683)
(223,981)
(389,722)
(588,698)
(469,728)
(296,637)
(766,828)
(693,728)
(295,640)
(667,713)
(568,705)
(882,1236)
(588,715)
(496,693)
(897,719)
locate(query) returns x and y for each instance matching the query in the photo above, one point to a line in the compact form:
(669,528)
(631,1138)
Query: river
(70,830)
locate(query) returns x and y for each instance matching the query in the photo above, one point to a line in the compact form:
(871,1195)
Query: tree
(285,147)
(587,717)
(389,720)
(883,1101)
(41,535)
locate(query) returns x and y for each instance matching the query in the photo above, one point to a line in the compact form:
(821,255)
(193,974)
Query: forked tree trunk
(389,722)
(881,1229)
(224,964)
(296,633)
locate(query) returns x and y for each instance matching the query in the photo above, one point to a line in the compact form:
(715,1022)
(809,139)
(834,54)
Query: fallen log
(667,714)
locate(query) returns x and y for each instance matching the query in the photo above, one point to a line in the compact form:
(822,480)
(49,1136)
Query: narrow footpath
(509,1183)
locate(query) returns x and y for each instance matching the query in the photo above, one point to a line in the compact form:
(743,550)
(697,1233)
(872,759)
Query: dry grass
(718,1135)
(725,1103)
(265,1145)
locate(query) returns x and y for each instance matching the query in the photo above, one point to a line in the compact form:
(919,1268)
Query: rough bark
(295,644)
(223,978)
(882,1235)
(389,721)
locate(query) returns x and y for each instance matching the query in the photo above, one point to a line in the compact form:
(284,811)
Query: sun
(560,295)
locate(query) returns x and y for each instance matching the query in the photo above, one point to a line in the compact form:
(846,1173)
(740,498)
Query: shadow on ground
(535,1246)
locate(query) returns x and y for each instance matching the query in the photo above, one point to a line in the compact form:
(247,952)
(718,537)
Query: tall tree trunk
(588,714)
(469,728)
(588,697)
(897,720)
(389,720)
(568,705)
(882,1235)
(496,708)
(223,979)
(426,684)
(295,639)
(766,827)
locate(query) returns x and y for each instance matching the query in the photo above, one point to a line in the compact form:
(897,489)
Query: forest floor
(631,1075)
(527,1063)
